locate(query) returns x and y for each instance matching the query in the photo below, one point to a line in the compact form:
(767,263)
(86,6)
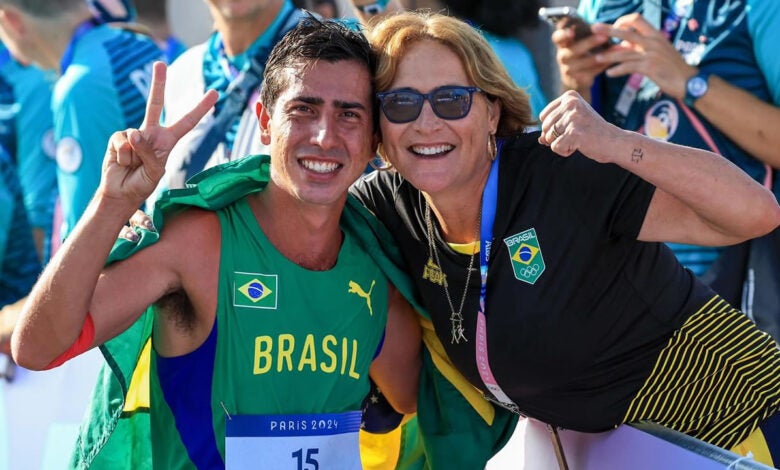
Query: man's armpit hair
(177,307)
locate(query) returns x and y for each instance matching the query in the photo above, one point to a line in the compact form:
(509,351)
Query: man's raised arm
(63,315)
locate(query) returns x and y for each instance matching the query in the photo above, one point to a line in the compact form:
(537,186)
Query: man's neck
(159,28)
(55,37)
(240,33)
(306,235)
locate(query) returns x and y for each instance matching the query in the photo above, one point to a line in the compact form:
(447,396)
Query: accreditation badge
(294,442)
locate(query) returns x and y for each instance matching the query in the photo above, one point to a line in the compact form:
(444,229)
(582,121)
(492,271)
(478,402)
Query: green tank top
(286,341)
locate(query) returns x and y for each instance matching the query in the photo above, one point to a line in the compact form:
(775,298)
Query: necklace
(456,318)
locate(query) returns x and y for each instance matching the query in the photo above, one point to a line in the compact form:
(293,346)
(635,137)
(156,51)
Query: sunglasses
(448,102)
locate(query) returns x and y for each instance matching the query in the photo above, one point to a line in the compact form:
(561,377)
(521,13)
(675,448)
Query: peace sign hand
(135,158)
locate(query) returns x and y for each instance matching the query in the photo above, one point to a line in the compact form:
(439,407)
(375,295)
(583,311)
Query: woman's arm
(701,198)
(396,370)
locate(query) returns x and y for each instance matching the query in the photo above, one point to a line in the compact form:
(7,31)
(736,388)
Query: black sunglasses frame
(381,96)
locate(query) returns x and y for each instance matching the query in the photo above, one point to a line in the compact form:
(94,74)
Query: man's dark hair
(310,41)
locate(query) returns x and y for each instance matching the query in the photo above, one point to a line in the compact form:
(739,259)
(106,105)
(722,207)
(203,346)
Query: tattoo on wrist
(637,155)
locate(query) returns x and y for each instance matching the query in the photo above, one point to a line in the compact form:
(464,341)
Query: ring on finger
(555,131)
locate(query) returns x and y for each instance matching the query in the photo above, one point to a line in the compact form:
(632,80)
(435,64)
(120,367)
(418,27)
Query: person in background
(698,73)
(113,11)
(375,10)
(327,9)
(146,16)
(26,131)
(231,62)
(19,263)
(260,320)
(497,20)
(500,21)
(539,255)
(154,15)
(103,80)
(103,75)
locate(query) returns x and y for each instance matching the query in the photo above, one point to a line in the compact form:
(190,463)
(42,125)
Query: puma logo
(354,288)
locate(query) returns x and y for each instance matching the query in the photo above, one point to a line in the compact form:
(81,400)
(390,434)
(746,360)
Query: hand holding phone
(567,17)
(570,19)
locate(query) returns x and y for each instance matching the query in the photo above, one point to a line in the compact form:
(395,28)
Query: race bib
(293,442)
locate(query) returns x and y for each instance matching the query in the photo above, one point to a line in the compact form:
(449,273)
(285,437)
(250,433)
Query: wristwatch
(696,87)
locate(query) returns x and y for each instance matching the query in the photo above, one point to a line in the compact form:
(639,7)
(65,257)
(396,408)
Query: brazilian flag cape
(454,428)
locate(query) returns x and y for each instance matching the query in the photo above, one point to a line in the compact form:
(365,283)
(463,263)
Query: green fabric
(451,433)
(411,455)
(108,438)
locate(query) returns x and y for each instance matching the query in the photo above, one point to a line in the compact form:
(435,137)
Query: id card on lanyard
(293,442)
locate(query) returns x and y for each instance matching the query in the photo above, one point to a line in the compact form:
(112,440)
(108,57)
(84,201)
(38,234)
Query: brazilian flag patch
(254,290)
(526,256)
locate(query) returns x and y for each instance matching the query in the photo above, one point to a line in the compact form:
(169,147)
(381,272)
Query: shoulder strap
(237,99)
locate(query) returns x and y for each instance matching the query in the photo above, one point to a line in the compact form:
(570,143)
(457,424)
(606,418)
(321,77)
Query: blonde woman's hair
(392,36)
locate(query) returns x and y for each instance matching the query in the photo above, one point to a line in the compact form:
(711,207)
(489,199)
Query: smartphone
(570,19)
(567,17)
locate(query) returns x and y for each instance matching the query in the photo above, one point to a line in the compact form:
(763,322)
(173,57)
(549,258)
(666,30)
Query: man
(19,264)
(27,136)
(26,132)
(231,62)
(266,306)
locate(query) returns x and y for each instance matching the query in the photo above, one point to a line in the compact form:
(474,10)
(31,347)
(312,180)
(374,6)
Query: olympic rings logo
(530,271)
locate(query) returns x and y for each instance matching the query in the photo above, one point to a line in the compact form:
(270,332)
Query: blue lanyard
(82,29)
(489,200)
(264,42)
(228,69)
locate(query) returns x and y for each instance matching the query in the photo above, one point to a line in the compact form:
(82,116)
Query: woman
(583,319)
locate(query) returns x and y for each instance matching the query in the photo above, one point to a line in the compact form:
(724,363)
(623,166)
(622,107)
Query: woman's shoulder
(382,191)
(385,184)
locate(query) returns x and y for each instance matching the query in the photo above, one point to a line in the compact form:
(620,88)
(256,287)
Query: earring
(492,147)
(383,165)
